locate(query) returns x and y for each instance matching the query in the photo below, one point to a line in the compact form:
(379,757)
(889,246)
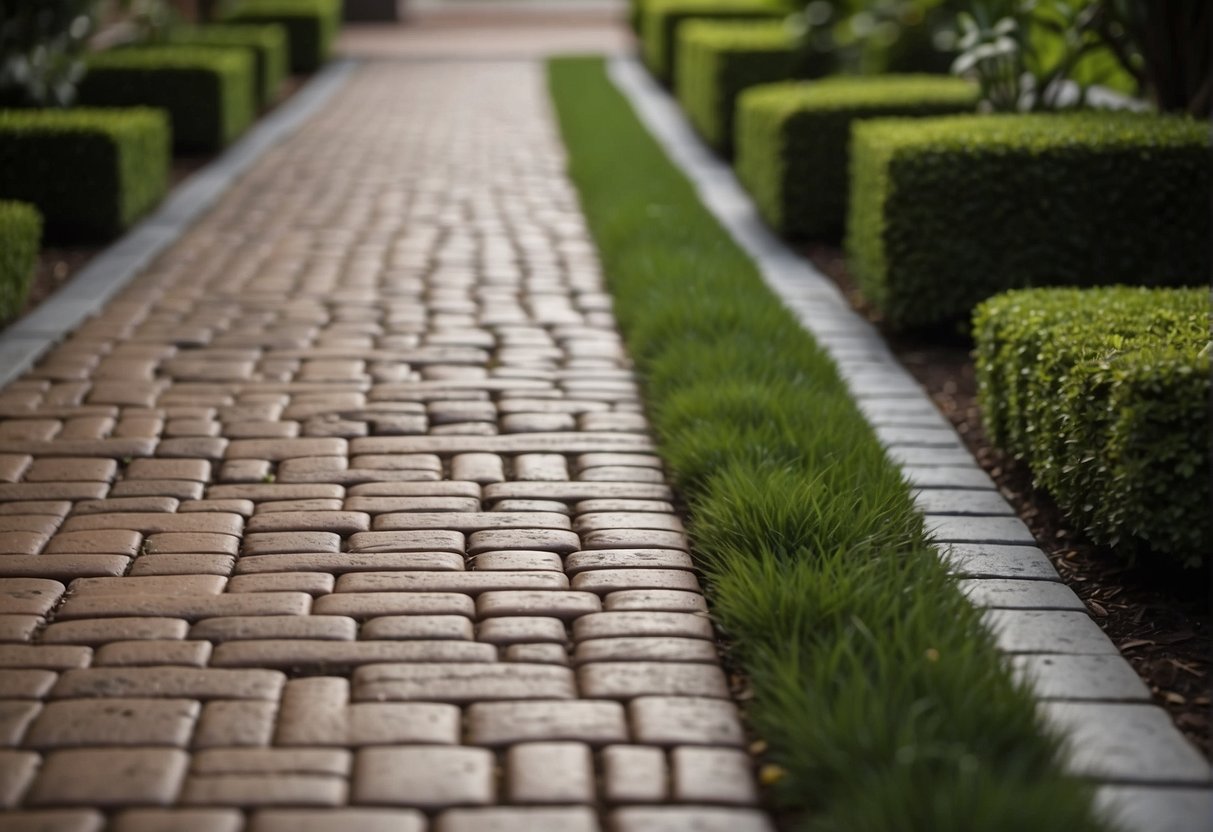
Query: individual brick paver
(343,514)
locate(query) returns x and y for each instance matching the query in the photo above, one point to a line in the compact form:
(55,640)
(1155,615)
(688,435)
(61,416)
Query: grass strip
(882,698)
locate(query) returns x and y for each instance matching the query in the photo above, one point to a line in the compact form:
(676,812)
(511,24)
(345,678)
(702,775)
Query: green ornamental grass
(880,694)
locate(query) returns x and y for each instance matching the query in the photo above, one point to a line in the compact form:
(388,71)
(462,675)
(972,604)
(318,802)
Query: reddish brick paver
(344,514)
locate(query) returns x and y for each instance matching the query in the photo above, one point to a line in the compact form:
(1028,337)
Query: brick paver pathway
(344,516)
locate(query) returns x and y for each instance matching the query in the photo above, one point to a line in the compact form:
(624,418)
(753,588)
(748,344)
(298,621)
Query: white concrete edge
(24,342)
(1153,760)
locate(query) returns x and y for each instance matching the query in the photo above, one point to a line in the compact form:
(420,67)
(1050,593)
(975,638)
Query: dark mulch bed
(1160,620)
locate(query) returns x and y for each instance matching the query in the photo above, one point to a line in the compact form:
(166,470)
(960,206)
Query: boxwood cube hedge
(1105,394)
(20,239)
(792,140)
(717,60)
(208,92)
(946,212)
(267,45)
(91,173)
(661,19)
(311,26)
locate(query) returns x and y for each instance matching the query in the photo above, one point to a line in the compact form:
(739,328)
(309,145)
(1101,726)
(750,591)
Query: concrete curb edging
(1151,778)
(27,340)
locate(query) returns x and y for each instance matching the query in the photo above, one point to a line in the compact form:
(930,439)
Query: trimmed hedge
(946,212)
(267,45)
(207,92)
(91,173)
(1105,394)
(793,141)
(20,239)
(311,26)
(661,19)
(718,60)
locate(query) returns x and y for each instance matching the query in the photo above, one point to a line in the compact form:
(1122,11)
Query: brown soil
(1160,622)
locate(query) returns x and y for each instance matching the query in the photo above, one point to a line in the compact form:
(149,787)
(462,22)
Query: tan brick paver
(344,516)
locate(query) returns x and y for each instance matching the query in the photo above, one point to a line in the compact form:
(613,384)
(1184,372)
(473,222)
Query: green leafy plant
(1104,393)
(1029,55)
(1165,46)
(871,37)
(41,48)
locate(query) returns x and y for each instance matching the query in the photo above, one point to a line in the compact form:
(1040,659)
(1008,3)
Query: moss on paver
(882,698)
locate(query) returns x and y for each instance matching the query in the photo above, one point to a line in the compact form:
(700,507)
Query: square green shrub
(945,212)
(207,91)
(661,19)
(20,240)
(792,141)
(267,44)
(91,173)
(636,15)
(717,60)
(1105,393)
(311,26)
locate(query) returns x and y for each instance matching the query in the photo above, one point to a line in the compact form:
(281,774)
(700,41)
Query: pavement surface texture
(343,514)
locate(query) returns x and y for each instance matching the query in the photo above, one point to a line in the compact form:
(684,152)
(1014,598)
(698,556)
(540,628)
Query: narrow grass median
(881,698)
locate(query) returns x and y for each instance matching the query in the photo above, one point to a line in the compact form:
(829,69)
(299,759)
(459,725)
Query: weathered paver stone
(109,777)
(424,778)
(550,772)
(343,514)
(699,818)
(509,819)
(495,724)
(634,774)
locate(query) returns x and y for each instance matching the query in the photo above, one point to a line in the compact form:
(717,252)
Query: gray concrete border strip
(1151,778)
(27,340)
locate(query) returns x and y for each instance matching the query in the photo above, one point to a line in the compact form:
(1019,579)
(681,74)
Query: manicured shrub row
(947,212)
(882,698)
(793,140)
(266,44)
(311,26)
(91,173)
(207,92)
(20,239)
(718,60)
(661,19)
(1105,394)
